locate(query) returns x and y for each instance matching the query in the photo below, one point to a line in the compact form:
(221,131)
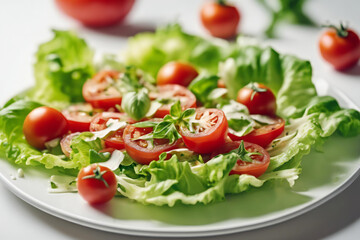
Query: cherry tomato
(221,84)
(96,13)
(168,94)
(220,19)
(262,136)
(209,131)
(255,168)
(100,92)
(262,102)
(96,184)
(176,73)
(42,125)
(140,150)
(340,47)
(65,143)
(79,117)
(99,123)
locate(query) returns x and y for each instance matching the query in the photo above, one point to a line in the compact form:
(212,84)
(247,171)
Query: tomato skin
(96,13)
(263,103)
(173,92)
(44,124)
(78,117)
(94,191)
(256,168)
(220,20)
(209,139)
(341,52)
(116,140)
(142,154)
(176,73)
(96,91)
(263,136)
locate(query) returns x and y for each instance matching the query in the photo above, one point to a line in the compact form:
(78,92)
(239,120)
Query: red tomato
(221,84)
(99,123)
(220,19)
(99,91)
(262,136)
(65,143)
(340,47)
(96,13)
(262,102)
(209,133)
(171,93)
(255,168)
(139,150)
(176,73)
(79,117)
(91,184)
(42,125)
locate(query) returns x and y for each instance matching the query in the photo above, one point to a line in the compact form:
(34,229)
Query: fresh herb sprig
(168,127)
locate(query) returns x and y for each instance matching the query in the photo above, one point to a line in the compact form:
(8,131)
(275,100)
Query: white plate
(324,175)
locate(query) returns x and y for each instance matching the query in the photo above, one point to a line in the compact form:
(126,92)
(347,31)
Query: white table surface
(24,24)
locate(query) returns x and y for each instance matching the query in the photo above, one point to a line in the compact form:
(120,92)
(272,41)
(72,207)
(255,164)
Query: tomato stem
(341,30)
(222,2)
(245,155)
(256,89)
(98,175)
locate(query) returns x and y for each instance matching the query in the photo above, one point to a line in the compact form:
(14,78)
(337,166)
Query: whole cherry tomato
(220,19)
(96,13)
(176,73)
(96,184)
(258,98)
(44,124)
(340,47)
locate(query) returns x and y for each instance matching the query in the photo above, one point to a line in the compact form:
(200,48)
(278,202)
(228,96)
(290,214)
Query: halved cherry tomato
(100,91)
(65,143)
(258,98)
(209,131)
(255,168)
(262,136)
(176,73)
(96,184)
(170,93)
(220,19)
(78,116)
(99,123)
(42,125)
(340,47)
(140,150)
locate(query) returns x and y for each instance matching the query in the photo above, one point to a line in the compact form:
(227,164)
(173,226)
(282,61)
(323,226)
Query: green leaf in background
(62,66)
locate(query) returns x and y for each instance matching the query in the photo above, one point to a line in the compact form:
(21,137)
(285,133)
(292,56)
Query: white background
(24,24)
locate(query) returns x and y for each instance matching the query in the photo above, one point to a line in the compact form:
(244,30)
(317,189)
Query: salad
(177,119)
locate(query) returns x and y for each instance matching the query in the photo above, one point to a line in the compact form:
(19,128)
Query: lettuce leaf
(62,66)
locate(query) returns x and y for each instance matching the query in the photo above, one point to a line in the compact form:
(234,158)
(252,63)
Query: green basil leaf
(188,113)
(136,104)
(175,109)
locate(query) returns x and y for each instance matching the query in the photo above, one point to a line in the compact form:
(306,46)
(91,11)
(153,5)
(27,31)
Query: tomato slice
(170,93)
(255,168)
(262,136)
(66,142)
(99,123)
(100,91)
(209,133)
(78,117)
(140,150)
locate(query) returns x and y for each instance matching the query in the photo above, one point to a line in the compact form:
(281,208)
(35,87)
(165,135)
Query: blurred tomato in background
(96,13)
